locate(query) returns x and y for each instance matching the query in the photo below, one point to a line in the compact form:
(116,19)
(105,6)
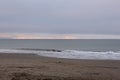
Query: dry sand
(33,67)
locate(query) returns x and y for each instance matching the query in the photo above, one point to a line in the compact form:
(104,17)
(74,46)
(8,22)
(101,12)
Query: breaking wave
(69,54)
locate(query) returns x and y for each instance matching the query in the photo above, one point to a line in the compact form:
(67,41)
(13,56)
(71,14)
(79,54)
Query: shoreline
(33,67)
(67,54)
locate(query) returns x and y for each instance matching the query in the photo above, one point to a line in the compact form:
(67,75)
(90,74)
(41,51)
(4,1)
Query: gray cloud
(60,16)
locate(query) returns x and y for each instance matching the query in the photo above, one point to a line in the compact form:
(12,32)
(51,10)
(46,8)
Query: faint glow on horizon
(55,36)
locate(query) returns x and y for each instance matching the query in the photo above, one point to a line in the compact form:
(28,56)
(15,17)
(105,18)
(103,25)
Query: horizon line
(56,36)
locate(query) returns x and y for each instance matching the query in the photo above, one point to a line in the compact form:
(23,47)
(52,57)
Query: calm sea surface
(84,45)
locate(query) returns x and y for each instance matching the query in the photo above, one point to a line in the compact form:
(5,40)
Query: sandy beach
(34,67)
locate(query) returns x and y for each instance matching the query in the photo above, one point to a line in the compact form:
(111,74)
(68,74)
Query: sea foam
(69,54)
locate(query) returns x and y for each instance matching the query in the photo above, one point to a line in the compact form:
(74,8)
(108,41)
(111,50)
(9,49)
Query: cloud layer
(60,16)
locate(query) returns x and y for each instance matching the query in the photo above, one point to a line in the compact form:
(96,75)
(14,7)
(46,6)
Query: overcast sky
(60,17)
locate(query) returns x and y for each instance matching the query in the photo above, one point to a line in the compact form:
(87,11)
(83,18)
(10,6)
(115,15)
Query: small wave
(53,50)
(69,54)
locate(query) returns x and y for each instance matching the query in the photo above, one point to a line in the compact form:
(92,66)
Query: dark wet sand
(33,67)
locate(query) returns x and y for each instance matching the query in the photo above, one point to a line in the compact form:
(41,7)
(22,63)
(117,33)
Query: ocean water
(107,49)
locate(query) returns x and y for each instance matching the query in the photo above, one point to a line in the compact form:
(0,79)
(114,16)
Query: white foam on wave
(70,54)
(13,51)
